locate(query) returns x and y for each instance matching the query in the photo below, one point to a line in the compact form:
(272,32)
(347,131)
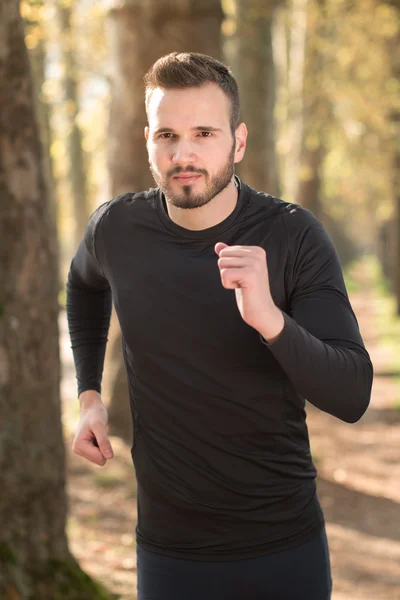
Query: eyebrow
(199,128)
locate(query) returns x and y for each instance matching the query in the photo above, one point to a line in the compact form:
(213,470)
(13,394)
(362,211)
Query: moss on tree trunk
(52,579)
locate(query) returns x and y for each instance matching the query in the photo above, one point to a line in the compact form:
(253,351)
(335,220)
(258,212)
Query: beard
(189,199)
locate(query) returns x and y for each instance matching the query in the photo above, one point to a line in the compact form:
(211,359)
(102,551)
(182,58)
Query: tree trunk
(311,162)
(316,113)
(255,73)
(396,245)
(34,559)
(385,248)
(395,121)
(77,172)
(297,32)
(140,32)
(37,56)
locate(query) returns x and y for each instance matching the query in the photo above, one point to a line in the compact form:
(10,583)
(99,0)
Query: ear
(241,138)
(146,132)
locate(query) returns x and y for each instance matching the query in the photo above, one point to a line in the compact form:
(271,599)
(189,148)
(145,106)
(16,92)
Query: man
(233,310)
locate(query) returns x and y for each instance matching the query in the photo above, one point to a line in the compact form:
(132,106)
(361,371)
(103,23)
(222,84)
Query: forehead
(189,107)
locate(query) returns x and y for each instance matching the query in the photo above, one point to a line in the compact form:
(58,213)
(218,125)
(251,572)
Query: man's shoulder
(295,216)
(121,203)
(299,218)
(117,206)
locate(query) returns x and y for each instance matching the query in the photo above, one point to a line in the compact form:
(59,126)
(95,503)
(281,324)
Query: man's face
(191,148)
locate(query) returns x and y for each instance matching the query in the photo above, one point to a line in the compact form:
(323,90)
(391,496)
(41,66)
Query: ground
(358,475)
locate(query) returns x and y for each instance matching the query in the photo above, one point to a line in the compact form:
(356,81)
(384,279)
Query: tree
(291,28)
(394,230)
(316,113)
(36,42)
(140,32)
(255,72)
(35,562)
(76,173)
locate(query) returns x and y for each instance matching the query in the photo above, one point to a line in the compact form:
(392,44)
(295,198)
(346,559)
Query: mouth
(187,178)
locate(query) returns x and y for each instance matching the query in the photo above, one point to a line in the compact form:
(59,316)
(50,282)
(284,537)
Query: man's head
(194,136)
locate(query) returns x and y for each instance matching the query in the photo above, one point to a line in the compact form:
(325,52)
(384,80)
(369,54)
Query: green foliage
(316,456)
(68,580)
(63,579)
(352,285)
(106,480)
(7,555)
(62,298)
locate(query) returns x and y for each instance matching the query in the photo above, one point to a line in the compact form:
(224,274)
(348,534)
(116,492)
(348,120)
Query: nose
(183,153)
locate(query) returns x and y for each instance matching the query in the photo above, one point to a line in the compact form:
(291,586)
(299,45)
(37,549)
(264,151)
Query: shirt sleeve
(320,347)
(89,305)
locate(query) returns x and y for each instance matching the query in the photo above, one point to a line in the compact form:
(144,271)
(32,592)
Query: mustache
(188,169)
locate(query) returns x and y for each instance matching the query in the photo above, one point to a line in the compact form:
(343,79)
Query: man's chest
(168,292)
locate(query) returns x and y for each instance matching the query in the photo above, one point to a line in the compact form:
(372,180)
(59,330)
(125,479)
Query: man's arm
(320,347)
(89,306)
(88,311)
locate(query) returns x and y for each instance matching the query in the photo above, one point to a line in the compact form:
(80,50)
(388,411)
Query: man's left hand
(245,270)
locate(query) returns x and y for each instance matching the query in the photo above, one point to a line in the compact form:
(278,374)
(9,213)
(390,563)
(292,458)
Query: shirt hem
(239,554)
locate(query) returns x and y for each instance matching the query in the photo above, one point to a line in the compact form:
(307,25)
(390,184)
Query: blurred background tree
(252,60)
(76,171)
(392,267)
(35,561)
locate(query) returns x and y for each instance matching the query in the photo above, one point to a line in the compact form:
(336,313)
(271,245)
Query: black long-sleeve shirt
(221,446)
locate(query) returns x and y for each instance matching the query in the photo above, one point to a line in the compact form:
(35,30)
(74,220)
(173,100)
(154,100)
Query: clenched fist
(91,439)
(244,269)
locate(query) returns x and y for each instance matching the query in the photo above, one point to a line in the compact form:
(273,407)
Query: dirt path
(358,482)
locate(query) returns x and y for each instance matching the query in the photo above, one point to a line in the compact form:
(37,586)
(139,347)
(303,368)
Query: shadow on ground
(373,515)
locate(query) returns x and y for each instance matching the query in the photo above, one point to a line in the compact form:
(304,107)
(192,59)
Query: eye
(205,134)
(166,136)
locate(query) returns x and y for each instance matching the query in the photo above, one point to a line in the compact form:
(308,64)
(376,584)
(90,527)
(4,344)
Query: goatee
(189,199)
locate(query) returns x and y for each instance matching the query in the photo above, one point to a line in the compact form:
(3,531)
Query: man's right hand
(91,439)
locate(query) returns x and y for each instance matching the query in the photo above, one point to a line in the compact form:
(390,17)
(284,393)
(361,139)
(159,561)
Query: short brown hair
(180,70)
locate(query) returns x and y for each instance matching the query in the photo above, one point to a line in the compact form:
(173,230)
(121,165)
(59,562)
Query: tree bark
(140,33)
(34,559)
(297,33)
(254,69)
(316,113)
(43,112)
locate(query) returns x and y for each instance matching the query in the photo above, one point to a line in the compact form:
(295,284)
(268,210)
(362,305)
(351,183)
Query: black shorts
(301,573)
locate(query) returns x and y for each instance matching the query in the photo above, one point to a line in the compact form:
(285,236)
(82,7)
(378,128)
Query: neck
(208,215)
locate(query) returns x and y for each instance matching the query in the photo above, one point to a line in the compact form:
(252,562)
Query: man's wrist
(274,325)
(89,399)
